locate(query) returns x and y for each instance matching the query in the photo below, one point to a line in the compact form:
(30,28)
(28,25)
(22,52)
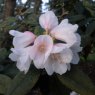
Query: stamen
(57,57)
(42,48)
(46,32)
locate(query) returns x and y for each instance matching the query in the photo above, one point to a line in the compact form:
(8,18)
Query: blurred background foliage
(24,15)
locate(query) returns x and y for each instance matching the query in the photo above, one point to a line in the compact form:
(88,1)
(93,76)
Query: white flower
(58,61)
(22,56)
(22,39)
(41,50)
(61,55)
(74,93)
(54,57)
(48,20)
(64,31)
(21,51)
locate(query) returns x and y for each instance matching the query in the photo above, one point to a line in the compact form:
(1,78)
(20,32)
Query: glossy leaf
(76,18)
(3,54)
(78,81)
(4,82)
(22,83)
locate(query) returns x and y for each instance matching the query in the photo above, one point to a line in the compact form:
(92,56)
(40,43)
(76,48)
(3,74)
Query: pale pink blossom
(48,20)
(65,31)
(21,51)
(41,50)
(62,54)
(22,39)
(22,57)
(54,57)
(59,62)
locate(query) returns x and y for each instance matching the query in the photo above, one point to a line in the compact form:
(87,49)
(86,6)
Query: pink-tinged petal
(21,40)
(39,60)
(65,36)
(59,68)
(64,22)
(66,55)
(43,39)
(47,42)
(48,20)
(65,32)
(42,48)
(15,33)
(48,65)
(33,52)
(15,54)
(68,27)
(24,40)
(59,62)
(54,65)
(23,63)
(58,47)
(22,56)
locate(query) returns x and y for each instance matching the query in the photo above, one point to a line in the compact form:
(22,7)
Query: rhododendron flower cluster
(54,50)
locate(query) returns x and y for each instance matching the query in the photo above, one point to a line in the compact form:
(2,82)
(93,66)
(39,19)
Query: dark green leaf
(76,18)
(78,81)
(56,87)
(90,28)
(4,82)
(3,54)
(10,70)
(23,83)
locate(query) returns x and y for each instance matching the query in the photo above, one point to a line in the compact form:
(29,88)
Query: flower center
(57,57)
(42,48)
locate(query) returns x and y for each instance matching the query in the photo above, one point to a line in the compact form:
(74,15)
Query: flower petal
(41,56)
(23,63)
(68,27)
(58,47)
(66,36)
(76,58)
(74,93)
(22,56)
(59,68)
(75,49)
(48,20)
(53,65)
(15,33)
(48,65)
(13,56)
(68,67)
(57,62)
(22,39)
(66,55)
(64,22)
(39,60)
(65,32)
